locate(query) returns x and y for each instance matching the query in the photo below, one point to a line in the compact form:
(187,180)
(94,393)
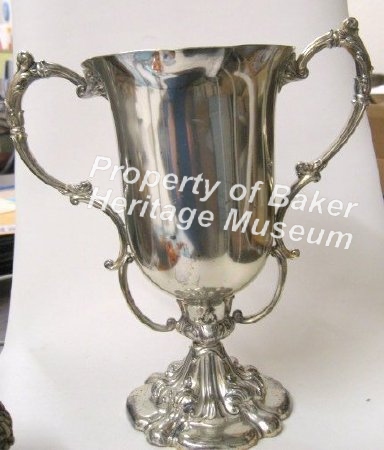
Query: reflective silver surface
(196,113)
(205,116)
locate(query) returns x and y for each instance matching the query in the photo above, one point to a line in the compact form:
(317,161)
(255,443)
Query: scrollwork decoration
(346,37)
(28,70)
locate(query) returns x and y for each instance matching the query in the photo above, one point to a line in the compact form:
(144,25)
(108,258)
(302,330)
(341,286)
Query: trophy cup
(195,130)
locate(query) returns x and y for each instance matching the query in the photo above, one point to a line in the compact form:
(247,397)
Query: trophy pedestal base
(208,401)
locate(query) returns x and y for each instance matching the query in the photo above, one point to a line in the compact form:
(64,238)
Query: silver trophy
(195,129)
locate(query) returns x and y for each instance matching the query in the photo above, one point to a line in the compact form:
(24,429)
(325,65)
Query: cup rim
(184,49)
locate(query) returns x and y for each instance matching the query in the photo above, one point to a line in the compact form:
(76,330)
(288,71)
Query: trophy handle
(28,71)
(296,69)
(348,38)
(282,263)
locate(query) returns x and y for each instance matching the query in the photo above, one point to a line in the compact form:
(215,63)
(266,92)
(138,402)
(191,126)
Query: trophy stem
(208,400)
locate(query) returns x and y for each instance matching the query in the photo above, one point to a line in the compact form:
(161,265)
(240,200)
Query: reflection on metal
(204,115)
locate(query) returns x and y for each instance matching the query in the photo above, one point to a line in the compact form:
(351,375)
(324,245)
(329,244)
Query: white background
(73,350)
(371,18)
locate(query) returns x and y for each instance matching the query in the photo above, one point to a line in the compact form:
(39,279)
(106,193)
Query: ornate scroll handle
(282,262)
(348,38)
(28,71)
(296,69)
(123,279)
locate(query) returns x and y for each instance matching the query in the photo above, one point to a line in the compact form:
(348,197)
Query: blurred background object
(7,193)
(376,121)
(6,149)
(371,20)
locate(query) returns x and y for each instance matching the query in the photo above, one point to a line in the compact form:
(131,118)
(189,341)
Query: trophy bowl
(198,214)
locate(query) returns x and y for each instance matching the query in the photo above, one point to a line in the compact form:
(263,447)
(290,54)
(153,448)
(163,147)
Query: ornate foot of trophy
(195,134)
(208,400)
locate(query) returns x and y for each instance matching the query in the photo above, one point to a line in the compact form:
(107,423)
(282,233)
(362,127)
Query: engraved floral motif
(207,389)
(311,169)
(206,333)
(94,84)
(205,314)
(78,192)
